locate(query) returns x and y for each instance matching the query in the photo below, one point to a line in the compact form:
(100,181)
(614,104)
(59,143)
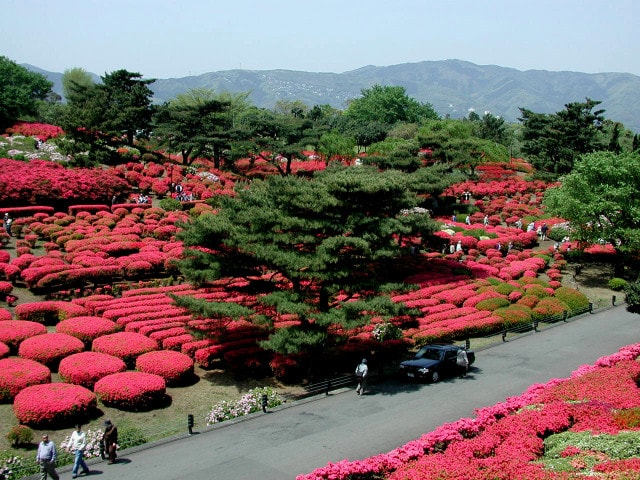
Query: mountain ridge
(453,87)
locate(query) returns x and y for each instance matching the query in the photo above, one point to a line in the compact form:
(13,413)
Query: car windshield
(429,353)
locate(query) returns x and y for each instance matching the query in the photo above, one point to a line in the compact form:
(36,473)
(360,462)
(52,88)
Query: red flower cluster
(87,328)
(50,348)
(125,345)
(13,332)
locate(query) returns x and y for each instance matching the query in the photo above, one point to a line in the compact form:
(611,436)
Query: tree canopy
(20,91)
(388,105)
(601,200)
(338,233)
(553,142)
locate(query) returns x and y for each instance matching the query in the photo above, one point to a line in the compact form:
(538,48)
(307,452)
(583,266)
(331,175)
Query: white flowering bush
(386,331)
(94,437)
(250,402)
(8,467)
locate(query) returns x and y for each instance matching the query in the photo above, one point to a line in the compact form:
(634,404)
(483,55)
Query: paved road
(305,435)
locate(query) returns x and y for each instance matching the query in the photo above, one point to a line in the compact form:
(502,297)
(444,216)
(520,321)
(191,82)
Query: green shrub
(514,315)
(632,296)
(549,308)
(572,298)
(129,436)
(557,233)
(170,204)
(20,435)
(492,304)
(617,284)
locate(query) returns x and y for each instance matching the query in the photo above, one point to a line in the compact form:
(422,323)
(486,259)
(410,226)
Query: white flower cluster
(415,210)
(248,403)
(94,438)
(6,470)
(386,331)
(209,176)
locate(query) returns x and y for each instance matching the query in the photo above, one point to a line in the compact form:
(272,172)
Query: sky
(172,39)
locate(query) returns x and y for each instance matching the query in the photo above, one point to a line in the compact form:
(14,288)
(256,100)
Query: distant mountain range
(453,87)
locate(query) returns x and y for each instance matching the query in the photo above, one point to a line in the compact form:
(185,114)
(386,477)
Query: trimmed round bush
(50,348)
(133,391)
(174,367)
(86,368)
(49,312)
(18,373)
(54,405)
(4,350)
(125,345)
(87,328)
(574,299)
(13,332)
(5,315)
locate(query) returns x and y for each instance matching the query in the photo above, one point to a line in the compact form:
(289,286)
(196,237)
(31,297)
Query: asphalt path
(304,435)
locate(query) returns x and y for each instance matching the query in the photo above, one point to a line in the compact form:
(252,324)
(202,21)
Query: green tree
(388,105)
(20,91)
(601,200)
(333,144)
(553,142)
(334,235)
(74,82)
(196,123)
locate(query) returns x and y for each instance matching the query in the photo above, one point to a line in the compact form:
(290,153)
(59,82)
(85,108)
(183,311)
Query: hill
(451,86)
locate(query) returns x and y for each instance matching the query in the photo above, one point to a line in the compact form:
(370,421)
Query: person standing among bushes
(110,441)
(78,444)
(463,362)
(46,458)
(362,370)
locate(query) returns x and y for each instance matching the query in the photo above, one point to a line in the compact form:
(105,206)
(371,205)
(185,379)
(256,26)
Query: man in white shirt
(77,445)
(362,370)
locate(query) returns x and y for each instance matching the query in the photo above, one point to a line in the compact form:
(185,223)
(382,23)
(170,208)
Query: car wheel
(435,376)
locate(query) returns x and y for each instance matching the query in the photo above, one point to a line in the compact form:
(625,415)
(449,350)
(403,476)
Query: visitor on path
(485,220)
(6,223)
(463,362)
(467,220)
(459,246)
(110,441)
(46,458)
(543,231)
(362,370)
(78,444)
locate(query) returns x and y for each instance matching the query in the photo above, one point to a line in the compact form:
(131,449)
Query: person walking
(543,231)
(362,370)
(110,441)
(463,362)
(46,458)
(78,444)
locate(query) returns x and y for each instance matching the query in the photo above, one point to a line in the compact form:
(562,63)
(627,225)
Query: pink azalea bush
(125,345)
(132,391)
(4,350)
(87,328)
(50,348)
(13,332)
(54,405)
(48,312)
(17,374)
(174,367)
(86,368)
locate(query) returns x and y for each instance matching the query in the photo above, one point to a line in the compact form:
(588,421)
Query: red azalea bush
(132,391)
(125,345)
(5,315)
(50,348)
(86,368)
(13,332)
(174,367)
(17,374)
(4,350)
(48,312)
(43,131)
(54,405)
(87,328)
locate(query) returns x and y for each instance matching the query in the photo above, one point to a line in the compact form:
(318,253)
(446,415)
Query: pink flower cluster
(174,367)
(50,348)
(17,374)
(504,441)
(43,131)
(86,368)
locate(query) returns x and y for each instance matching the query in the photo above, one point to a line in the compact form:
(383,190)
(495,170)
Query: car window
(430,354)
(451,354)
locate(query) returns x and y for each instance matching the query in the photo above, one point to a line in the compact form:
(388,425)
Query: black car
(433,362)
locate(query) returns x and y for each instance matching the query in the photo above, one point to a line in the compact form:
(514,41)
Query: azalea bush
(131,391)
(54,405)
(18,373)
(87,328)
(125,345)
(86,368)
(174,367)
(50,348)
(48,312)
(13,332)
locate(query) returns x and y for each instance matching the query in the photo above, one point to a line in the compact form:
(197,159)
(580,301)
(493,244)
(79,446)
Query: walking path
(299,437)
